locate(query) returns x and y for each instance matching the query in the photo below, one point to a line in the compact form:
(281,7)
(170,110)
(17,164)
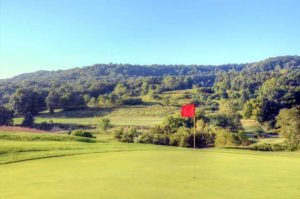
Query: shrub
(268,147)
(161,139)
(186,140)
(104,124)
(145,138)
(226,138)
(184,137)
(126,135)
(244,140)
(224,120)
(118,134)
(174,139)
(204,140)
(174,122)
(82,133)
(292,147)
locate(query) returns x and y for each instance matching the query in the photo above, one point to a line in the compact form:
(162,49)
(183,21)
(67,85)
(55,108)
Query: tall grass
(42,137)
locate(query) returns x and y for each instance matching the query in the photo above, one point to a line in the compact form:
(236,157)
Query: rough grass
(25,136)
(251,126)
(20,129)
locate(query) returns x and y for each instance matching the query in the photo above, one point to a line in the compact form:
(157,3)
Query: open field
(251,126)
(134,116)
(107,169)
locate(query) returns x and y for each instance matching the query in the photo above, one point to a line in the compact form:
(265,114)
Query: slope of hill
(90,77)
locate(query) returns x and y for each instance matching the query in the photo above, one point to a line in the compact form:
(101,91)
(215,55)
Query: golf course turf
(156,172)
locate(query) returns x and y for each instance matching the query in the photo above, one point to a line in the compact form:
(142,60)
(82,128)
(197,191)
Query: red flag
(188,110)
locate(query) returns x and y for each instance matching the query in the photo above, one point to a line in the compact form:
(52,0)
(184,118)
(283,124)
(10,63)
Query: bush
(185,140)
(82,133)
(243,138)
(174,139)
(161,139)
(184,137)
(226,138)
(205,140)
(126,135)
(292,147)
(145,138)
(268,147)
(118,134)
(104,124)
(223,120)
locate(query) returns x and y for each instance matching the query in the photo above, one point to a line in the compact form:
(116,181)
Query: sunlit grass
(135,116)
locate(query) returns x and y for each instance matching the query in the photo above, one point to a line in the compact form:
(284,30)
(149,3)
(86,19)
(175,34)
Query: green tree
(93,102)
(169,83)
(247,109)
(120,89)
(6,116)
(24,101)
(228,107)
(87,98)
(28,120)
(145,88)
(265,111)
(53,100)
(72,101)
(288,122)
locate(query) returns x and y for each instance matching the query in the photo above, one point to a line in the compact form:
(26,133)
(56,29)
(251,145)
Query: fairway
(158,172)
(126,115)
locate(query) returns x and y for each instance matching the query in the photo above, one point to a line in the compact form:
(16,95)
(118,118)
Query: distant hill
(82,79)
(112,71)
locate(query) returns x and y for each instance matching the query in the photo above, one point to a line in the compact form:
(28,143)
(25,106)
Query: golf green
(153,174)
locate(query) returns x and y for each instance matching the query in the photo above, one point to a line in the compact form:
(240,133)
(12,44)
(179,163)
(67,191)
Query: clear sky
(61,34)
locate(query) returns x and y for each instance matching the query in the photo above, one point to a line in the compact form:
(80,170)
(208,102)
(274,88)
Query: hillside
(102,78)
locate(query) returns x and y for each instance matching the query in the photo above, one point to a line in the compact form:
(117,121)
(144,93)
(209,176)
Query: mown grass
(16,151)
(154,172)
(251,126)
(12,146)
(33,166)
(180,96)
(20,146)
(127,115)
(272,140)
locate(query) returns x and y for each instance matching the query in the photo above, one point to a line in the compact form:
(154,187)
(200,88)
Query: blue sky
(61,34)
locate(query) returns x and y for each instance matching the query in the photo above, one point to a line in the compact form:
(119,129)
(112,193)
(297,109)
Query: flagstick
(194,132)
(195,174)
